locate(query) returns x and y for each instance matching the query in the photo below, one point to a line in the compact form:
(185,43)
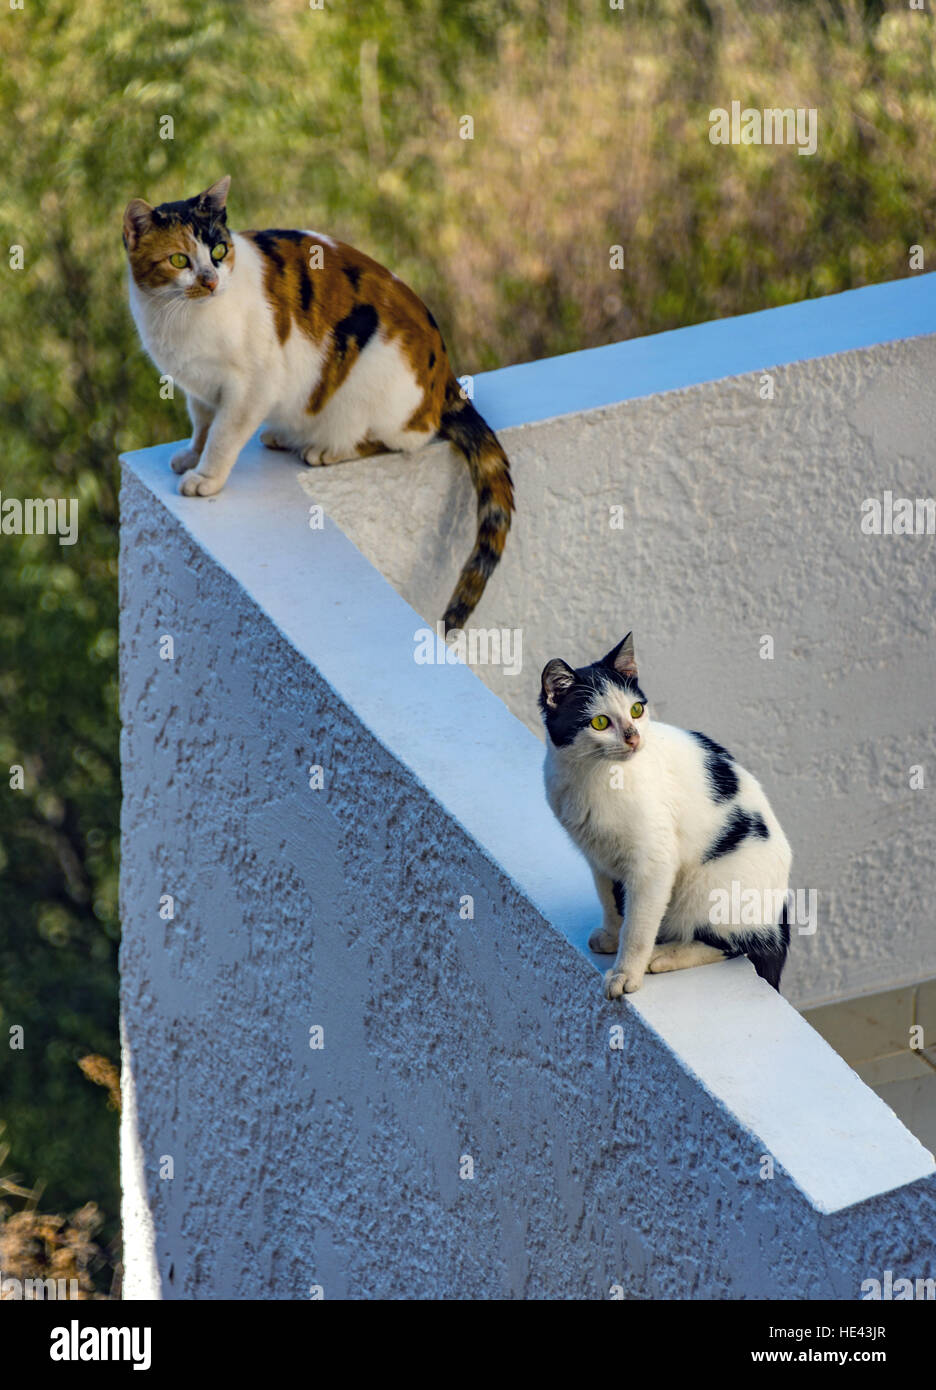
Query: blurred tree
(82,90)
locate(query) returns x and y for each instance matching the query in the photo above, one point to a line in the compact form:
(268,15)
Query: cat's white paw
(184,460)
(196,484)
(603,941)
(618,982)
(317,457)
(271,440)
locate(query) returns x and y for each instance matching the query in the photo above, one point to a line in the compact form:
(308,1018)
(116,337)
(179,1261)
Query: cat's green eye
(178,260)
(636,710)
(219,251)
(600,721)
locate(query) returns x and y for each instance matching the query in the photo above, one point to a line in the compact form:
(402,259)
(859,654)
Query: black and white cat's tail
(474,439)
(765,948)
(767,952)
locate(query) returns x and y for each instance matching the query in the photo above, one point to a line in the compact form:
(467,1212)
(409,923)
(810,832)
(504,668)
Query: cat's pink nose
(210,282)
(632,737)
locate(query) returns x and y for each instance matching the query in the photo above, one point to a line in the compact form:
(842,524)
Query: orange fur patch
(345,300)
(149,258)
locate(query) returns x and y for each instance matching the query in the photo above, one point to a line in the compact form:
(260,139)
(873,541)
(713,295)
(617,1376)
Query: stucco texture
(339,1167)
(742,519)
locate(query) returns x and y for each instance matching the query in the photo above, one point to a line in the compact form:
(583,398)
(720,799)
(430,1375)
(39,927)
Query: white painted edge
(140,1270)
(554,387)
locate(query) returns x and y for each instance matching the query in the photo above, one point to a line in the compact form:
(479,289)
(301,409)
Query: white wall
(742,519)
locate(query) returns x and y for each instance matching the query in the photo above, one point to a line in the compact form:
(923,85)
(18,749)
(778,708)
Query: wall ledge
(682,357)
(748,1047)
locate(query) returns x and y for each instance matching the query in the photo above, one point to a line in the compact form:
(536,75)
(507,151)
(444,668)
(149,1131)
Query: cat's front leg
(238,415)
(646,903)
(201,416)
(604,939)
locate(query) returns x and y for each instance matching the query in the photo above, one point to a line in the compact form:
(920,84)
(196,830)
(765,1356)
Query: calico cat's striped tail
(463,427)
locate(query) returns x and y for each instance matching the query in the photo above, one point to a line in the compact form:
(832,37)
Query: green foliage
(81,89)
(591,129)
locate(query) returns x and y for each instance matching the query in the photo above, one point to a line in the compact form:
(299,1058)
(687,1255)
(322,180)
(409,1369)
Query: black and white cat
(671,826)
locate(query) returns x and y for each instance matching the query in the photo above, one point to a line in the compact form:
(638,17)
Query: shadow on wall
(884,1037)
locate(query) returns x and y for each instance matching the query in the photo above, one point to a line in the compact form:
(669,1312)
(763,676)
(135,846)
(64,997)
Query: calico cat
(327,347)
(668,822)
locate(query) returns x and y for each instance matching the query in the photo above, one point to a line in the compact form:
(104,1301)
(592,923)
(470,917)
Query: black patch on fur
(266,242)
(617,889)
(360,325)
(431,360)
(767,952)
(433,324)
(720,767)
(721,943)
(785,929)
(739,825)
(209,227)
(353,274)
(306,292)
(189,212)
(571,714)
(281,234)
(766,948)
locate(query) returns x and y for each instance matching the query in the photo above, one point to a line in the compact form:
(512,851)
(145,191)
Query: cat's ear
(214,198)
(558,678)
(136,219)
(622,658)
